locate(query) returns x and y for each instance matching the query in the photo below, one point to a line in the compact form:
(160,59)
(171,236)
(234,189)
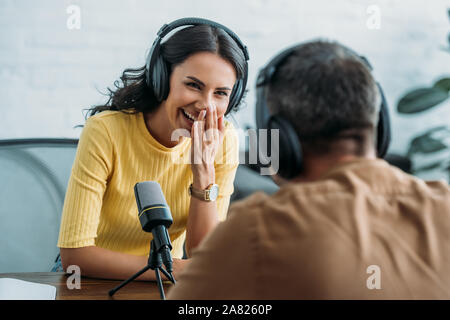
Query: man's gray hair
(324,88)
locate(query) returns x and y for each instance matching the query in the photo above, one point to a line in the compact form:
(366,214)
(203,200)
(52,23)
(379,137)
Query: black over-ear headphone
(290,151)
(157,71)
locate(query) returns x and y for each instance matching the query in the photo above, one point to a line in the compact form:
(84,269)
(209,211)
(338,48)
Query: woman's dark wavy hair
(135,96)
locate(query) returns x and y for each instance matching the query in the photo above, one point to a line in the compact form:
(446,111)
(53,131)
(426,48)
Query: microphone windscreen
(148,193)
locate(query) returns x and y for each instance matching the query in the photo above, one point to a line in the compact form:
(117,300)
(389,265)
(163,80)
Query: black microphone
(155,217)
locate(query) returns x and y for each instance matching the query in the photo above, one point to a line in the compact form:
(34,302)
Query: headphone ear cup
(160,79)
(235,96)
(384,127)
(289,147)
(239,88)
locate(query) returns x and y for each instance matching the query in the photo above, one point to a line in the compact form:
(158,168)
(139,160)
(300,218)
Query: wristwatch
(209,194)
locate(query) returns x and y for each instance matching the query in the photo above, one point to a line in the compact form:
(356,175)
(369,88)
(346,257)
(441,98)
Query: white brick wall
(49,73)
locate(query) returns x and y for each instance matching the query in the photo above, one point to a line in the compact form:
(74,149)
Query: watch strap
(200,194)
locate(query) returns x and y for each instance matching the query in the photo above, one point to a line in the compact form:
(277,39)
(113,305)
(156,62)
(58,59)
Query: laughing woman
(165,124)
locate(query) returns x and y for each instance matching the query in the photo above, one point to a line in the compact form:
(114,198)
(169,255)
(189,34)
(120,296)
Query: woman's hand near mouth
(207,136)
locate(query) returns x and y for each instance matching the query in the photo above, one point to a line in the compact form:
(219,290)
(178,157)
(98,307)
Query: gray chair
(33,175)
(248,181)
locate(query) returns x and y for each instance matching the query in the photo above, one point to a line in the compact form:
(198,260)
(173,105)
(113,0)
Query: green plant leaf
(426,143)
(427,167)
(420,100)
(429,146)
(443,84)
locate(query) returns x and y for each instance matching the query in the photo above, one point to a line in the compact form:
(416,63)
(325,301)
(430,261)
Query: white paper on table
(14,289)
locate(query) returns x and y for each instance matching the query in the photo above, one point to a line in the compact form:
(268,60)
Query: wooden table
(92,289)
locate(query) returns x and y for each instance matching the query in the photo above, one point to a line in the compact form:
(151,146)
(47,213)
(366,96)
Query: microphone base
(154,263)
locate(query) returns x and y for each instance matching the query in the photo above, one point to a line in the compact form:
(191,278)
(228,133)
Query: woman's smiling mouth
(188,115)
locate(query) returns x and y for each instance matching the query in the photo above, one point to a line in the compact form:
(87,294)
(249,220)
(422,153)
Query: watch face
(213,192)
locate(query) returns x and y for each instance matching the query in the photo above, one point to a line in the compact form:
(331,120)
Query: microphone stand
(154,263)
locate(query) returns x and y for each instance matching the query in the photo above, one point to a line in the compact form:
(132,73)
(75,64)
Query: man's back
(365,230)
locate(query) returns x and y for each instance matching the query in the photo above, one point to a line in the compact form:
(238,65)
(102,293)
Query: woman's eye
(193,85)
(222,93)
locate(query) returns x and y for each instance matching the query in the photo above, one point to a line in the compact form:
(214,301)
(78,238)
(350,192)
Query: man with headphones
(345,224)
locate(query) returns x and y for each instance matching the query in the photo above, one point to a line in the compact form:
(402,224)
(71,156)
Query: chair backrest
(33,180)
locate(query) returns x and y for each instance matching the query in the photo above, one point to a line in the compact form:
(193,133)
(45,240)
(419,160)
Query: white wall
(49,73)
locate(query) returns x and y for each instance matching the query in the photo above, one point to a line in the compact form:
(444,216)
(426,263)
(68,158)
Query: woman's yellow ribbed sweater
(116,151)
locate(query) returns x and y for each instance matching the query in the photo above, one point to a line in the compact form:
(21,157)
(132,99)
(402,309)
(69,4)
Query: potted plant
(434,140)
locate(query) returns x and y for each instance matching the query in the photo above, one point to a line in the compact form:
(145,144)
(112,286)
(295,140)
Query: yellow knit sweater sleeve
(87,184)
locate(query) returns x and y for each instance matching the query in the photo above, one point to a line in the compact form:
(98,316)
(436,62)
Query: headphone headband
(267,72)
(167,28)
